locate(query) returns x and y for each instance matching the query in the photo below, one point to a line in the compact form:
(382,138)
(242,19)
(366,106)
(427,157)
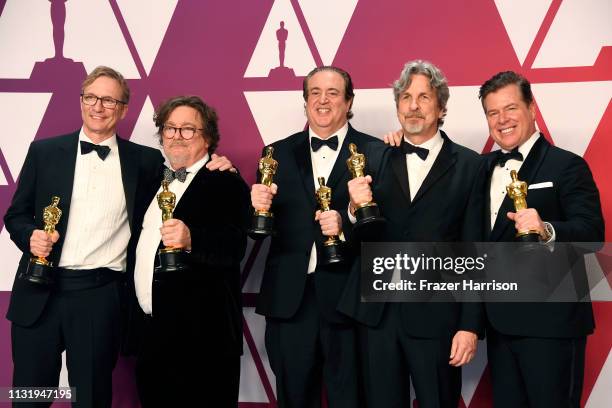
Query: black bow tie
(408,148)
(180,174)
(502,157)
(331,142)
(87,147)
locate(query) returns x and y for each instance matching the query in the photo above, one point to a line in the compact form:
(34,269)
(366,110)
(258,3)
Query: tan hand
(330,222)
(220,163)
(262,195)
(176,234)
(463,348)
(393,138)
(360,191)
(527,219)
(41,243)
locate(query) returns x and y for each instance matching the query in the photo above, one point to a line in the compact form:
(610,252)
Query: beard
(413,128)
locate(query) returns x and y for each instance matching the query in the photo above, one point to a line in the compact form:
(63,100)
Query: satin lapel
(527,173)
(445,160)
(301,153)
(340,168)
(186,200)
(400,168)
(490,163)
(64,178)
(129,175)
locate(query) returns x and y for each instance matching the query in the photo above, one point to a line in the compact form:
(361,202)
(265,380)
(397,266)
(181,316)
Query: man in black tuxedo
(307,340)
(192,318)
(428,190)
(536,350)
(98,178)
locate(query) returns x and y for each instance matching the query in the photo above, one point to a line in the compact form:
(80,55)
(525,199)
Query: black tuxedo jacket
(206,299)
(294,208)
(48,171)
(447,208)
(573,208)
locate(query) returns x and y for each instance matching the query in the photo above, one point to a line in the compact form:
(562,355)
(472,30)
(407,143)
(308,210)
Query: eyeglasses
(107,101)
(186,132)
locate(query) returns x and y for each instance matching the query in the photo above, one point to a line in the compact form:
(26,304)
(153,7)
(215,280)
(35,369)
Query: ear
(532,110)
(124,110)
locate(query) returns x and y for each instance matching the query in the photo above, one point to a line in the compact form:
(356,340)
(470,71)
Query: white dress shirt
(98,231)
(323,161)
(150,237)
(419,168)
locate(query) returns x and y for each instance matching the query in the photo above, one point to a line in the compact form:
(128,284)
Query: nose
(98,106)
(503,117)
(413,105)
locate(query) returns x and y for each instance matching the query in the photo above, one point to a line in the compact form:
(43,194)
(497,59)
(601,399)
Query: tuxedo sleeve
(472,313)
(582,219)
(20,218)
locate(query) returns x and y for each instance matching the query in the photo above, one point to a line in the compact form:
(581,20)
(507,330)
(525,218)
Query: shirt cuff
(351,217)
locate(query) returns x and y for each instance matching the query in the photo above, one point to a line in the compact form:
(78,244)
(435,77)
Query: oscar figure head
(267,167)
(517,191)
(356,163)
(51,215)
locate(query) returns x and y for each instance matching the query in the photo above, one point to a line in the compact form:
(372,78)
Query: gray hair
(436,80)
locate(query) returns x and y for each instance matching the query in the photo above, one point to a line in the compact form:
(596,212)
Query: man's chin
(412,130)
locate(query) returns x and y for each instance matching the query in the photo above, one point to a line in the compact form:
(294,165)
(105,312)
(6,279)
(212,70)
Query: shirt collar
(341,133)
(525,148)
(110,142)
(431,144)
(195,167)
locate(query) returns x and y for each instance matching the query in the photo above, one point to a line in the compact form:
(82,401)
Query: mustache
(414,115)
(178,143)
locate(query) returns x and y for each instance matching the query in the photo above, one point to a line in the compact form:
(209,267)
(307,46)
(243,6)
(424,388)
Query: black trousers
(86,324)
(535,372)
(181,362)
(307,351)
(391,357)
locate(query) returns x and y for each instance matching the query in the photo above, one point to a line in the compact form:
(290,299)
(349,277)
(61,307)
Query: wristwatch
(548,232)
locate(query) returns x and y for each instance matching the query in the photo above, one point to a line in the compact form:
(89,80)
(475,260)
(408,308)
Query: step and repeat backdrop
(229,52)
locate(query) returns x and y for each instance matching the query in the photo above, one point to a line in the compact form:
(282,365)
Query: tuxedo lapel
(527,173)
(442,164)
(301,154)
(400,169)
(340,168)
(64,177)
(129,175)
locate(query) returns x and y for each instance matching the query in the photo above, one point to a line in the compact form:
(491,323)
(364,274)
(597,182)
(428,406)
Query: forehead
(325,80)
(509,94)
(105,86)
(418,84)
(185,114)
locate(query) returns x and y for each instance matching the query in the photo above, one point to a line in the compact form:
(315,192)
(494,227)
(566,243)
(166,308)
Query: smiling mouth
(506,131)
(323,110)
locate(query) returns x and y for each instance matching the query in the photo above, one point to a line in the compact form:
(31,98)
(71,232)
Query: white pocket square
(545,184)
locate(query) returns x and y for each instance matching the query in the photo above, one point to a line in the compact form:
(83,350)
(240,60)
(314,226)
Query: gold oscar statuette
(331,251)
(517,191)
(262,223)
(369,220)
(170,259)
(40,270)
